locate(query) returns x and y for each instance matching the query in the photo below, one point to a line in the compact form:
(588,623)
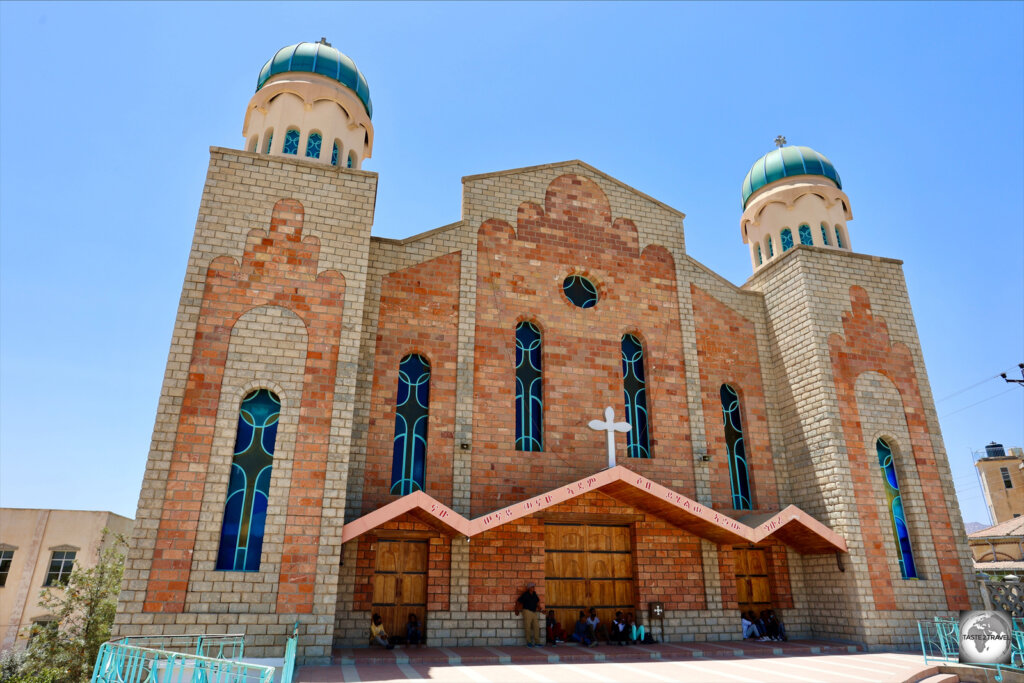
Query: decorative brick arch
(866,347)
(279,268)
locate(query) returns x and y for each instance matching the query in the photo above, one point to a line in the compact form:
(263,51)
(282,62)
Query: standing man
(529,603)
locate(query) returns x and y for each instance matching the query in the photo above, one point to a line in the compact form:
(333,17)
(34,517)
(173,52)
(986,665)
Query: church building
(548,390)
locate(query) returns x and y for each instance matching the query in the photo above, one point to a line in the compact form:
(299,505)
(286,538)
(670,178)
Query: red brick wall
(866,347)
(727,354)
(419,313)
(667,562)
(520,275)
(279,268)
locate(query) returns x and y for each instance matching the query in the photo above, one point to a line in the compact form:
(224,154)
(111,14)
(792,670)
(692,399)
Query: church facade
(350,424)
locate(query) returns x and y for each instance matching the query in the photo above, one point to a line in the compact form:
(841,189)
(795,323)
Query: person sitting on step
(582,632)
(747,623)
(637,633)
(378,636)
(413,634)
(776,631)
(618,629)
(597,629)
(555,632)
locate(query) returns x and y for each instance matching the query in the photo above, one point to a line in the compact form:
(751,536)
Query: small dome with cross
(786,162)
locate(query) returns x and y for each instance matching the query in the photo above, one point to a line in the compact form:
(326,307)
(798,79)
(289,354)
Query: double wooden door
(587,566)
(753,590)
(400,583)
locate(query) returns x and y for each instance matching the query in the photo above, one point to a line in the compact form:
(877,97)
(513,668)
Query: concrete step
(939,678)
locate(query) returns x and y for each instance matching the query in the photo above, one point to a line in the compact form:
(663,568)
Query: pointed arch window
(900,531)
(412,406)
(291,142)
(805,235)
(313,144)
(771,250)
(635,388)
(739,475)
(839,238)
(351,160)
(334,154)
(786,238)
(529,394)
(245,511)
(824,235)
(759,259)
(270,141)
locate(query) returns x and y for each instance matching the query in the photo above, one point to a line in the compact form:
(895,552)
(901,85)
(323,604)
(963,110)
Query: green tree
(83,611)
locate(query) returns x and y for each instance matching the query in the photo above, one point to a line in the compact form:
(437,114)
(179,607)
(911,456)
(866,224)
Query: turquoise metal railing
(288,670)
(121,662)
(940,642)
(215,645)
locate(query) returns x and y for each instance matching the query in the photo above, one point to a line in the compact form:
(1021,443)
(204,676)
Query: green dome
(318,58)
(785,162)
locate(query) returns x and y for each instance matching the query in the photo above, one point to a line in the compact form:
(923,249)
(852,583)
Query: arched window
(901,533)
(839,237)
(351,163)
(529,396)
(759,259)
(253,141)
(334,153)
(786,238)
(824,234)
(313,145)
(635,388)
(805,235)
(291,142)
(771,250)
(245,511)
(739,477)
(270,141)
(411,408)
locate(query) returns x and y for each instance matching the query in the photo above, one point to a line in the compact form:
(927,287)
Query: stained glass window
(313,145)
(59,571)
(245,510)
(824,234)
(270,141)
(739,478)
(580,291)
(351,163)
(787,240)
(839,238)
(635,389)
(529,397)
(759,259)
(334,154)
(411,409)
(771,249)
(900,532)
(291,142)
(805,235)
(5,565)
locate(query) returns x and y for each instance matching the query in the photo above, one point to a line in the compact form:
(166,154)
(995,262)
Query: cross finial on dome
(323,41)
(780,140)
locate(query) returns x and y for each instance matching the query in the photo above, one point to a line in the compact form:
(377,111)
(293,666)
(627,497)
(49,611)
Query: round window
(580,291)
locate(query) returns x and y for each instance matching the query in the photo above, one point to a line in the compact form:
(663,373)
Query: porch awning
(792,526)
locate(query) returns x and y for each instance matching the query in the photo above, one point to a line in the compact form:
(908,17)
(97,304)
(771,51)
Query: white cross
(611,426)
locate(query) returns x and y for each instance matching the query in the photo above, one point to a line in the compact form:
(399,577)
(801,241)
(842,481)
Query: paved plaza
(802,661)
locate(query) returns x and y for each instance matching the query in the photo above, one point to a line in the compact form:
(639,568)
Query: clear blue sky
(107,112)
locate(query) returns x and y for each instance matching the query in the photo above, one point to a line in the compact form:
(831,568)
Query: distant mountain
(971,527)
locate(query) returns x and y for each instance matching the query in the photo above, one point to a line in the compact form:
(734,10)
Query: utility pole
(1014,381)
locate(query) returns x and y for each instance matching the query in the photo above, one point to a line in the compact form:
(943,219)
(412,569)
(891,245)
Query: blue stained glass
(839,238)
(351,161)
(580,291)
(824,235)
(805,235)
(313,145)
(291,142)
(900,531)
(635,389)
(771,249)
(739,476)
(245,509)
(759,259)
(529,395)
(412,403)
(334,154)
(787,240)
(270,141)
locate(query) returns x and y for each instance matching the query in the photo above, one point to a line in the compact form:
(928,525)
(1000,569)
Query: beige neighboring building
(999,550)
(1002,481)
(39,548)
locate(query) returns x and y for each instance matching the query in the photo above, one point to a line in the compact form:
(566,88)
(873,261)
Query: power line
(976,384)
(959,410)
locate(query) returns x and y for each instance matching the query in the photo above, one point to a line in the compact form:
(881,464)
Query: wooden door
(400,583)
(587,566)
(753,591)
